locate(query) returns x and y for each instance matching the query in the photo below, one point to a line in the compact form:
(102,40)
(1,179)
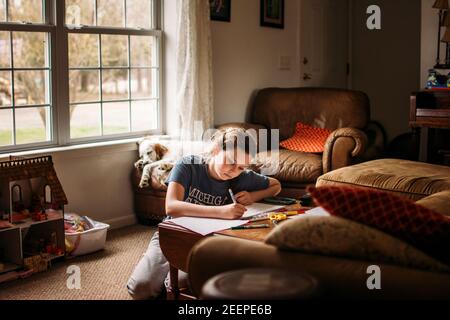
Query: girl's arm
(176,207)
(247,198)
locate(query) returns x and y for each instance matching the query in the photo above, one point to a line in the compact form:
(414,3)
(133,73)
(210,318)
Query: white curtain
(194,68)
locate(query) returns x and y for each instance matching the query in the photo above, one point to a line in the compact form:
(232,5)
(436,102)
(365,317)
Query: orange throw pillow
(307,139)
(397,216)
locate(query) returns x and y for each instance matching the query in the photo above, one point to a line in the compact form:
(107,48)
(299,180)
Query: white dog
(154,163)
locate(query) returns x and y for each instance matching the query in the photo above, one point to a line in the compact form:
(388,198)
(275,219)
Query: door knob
(307,76)
(305,60)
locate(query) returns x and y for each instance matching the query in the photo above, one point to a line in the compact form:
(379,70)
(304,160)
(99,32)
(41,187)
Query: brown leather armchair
(345,112)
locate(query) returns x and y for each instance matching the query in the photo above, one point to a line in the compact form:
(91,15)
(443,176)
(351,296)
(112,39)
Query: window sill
(86,149)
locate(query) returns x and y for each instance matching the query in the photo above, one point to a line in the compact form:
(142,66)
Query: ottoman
(414,180)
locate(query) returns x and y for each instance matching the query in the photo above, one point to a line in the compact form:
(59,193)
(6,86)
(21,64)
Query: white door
(324,43)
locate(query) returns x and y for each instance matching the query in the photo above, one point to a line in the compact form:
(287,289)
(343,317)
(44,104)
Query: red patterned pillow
(397,216)
(307,139)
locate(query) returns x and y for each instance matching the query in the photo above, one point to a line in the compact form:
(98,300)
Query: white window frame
(54,25)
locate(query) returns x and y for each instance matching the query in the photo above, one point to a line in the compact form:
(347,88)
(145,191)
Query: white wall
(246,57)
(97,181)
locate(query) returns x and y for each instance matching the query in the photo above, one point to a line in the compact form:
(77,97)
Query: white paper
(318,211)
(259,208)
(205,226)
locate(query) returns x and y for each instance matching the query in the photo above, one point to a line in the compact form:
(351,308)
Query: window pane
(144,115)
(5,49)
(139,14)
(83,50)
(116,118)
(114,51)
(141,51)
(30,87)
(141,83)
(110,13)
(115,84)
(84,86)
(3,10)
(80,12)
(6,127)
(29,49)
(32,125)
(5,88)
(85,121)
(25,10)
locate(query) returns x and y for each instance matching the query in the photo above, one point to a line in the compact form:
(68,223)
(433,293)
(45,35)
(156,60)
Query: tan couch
(341,277)
(346,113)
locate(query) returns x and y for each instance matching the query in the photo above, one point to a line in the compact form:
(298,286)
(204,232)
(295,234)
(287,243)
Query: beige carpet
(103,274)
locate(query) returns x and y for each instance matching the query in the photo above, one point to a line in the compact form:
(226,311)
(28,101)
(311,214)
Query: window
(78,71)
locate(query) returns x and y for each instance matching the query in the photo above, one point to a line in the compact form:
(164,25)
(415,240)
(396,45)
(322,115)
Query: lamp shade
(446,37)
(441,4)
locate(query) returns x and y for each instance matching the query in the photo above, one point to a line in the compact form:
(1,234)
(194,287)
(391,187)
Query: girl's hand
(244,198)
(232,211)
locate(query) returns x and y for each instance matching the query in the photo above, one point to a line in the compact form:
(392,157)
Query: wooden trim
(433,113)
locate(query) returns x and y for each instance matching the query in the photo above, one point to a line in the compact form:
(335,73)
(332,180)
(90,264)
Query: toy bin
(85,242)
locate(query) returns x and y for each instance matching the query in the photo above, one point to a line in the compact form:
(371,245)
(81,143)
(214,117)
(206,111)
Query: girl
(198,186)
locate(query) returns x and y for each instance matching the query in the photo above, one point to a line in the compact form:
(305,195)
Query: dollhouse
(31,217)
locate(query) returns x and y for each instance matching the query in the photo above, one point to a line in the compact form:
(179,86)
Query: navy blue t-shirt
(200,188)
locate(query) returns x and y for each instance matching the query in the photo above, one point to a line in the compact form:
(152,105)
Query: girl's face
(227,165)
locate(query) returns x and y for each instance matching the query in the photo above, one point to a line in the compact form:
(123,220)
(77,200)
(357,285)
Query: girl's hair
(235,138)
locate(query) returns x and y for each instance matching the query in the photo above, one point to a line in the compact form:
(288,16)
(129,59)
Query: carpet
(103,274)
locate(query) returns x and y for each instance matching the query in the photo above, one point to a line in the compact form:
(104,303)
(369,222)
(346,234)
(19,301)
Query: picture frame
(272,13)
(220,10)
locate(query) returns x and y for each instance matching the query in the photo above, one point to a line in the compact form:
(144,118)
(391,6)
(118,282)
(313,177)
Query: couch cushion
(294,166)
(400,217)
(439,202)
(338,237)
(414,180)
(307,139)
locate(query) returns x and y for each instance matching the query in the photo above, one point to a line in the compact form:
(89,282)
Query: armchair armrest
(342,145)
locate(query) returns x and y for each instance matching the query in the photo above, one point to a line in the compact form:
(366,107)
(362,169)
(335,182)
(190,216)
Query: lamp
(446,37)
(441,5)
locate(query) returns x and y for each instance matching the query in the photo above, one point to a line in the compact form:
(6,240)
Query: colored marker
(232,196)
(251,226)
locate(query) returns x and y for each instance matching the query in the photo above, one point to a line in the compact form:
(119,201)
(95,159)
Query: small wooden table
(176,243)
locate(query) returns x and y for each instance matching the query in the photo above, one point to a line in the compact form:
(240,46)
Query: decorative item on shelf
(442,6)
(436,80)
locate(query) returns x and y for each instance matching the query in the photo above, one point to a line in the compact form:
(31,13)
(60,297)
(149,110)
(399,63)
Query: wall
(246,57)
(386,63)
(96,180)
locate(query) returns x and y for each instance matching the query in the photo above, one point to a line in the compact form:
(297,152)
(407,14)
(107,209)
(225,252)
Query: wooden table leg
(174,283)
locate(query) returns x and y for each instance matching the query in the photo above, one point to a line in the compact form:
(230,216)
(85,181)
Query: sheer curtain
(194,68)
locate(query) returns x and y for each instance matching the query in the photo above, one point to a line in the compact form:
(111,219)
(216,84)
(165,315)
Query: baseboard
(121,222)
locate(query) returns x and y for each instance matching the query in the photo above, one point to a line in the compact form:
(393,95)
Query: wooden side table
(430,110)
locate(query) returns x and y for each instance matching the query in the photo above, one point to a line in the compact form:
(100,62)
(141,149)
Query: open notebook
(205,226)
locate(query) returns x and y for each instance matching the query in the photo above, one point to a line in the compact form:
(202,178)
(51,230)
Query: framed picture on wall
(220,10)
(272,13)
